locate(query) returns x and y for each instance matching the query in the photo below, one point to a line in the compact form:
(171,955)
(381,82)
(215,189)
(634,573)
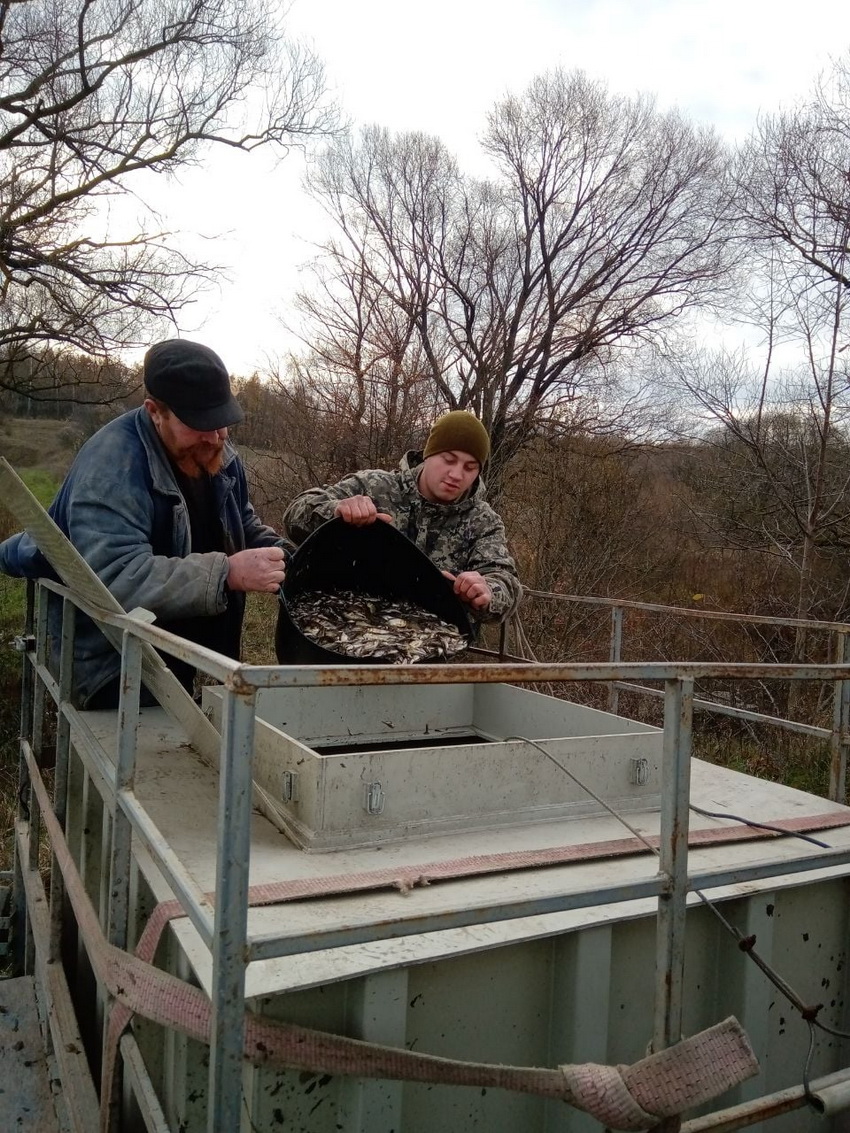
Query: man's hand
(472,588)
(360,511)
(260,569)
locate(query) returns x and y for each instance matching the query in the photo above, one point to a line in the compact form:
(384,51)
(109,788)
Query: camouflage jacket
(467,535)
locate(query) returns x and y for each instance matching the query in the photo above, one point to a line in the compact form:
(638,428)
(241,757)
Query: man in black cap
(157,504)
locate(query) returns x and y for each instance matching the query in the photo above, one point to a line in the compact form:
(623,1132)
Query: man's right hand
(260,569)
(360,511)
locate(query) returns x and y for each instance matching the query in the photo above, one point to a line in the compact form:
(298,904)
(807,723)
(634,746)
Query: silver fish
(393,631)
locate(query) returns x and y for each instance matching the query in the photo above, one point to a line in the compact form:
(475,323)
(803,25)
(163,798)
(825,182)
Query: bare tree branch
(605,221)
(91,93)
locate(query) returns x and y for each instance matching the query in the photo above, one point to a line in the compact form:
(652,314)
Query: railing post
(120,849)
(125,776)
(839,741)
(60,780)
(27,681)
(670,937)
(28,807)
(22,947)
(229,951)
(37,723)
(615,655)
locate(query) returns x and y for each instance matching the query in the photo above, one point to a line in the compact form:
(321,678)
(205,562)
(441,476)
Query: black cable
(760,826)
(23,793)
(807,1069)
(808,1012)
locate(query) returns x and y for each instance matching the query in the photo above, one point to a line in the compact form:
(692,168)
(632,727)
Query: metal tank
(420,857)
(573,979)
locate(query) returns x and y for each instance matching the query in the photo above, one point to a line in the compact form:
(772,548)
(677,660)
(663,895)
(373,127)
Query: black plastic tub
(376,560)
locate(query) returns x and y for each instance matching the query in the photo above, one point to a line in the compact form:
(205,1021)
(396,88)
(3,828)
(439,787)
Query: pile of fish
(390,631)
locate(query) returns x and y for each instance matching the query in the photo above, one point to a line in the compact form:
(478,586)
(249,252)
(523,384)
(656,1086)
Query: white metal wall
(583,996)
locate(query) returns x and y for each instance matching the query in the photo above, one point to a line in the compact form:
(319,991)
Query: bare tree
(603,223)
(92,92)
(361,315)
(364,369)
(783,436)
(770,486)
(794,191)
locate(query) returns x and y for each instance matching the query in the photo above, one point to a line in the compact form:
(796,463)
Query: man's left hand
(472,588)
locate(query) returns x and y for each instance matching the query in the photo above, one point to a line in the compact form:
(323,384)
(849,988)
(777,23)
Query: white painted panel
(368,711)
(575,986)
(368,797)
(505,710)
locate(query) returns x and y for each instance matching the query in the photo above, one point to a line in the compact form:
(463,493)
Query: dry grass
(259,628)
(38,444)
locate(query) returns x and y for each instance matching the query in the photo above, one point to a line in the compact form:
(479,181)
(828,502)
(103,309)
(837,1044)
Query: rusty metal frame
(226,931)
(838,735)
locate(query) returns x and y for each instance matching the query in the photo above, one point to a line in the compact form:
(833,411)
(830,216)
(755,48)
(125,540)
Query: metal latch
(374,798)
(639,771)
(290,786)
(23,643)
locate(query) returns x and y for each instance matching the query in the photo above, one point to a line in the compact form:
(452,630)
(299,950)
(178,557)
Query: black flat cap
(193,382)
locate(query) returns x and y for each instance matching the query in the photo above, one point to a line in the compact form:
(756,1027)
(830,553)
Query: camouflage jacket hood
(460,536)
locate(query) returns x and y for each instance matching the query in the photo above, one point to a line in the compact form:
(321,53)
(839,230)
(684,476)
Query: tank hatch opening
(358,766)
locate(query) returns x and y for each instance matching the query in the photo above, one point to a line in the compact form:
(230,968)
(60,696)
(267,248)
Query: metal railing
(838,735)
(223,925)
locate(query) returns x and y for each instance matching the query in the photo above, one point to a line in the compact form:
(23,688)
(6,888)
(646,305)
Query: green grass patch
(42,484)
(13,591)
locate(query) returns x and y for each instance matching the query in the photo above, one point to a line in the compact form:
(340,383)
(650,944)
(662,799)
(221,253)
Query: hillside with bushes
(586,516)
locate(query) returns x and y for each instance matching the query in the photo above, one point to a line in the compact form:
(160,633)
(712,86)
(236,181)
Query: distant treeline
(697,524)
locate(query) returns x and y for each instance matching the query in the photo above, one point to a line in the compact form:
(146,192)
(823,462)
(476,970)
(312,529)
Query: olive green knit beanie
(458,431)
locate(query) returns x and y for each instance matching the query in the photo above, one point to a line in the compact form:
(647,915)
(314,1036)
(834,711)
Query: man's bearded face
(194,452)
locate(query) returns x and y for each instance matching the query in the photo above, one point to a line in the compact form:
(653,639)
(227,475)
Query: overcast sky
(438,67)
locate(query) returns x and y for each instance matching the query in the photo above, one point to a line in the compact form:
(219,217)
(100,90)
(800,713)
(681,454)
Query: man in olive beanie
(458,430)
(437,499)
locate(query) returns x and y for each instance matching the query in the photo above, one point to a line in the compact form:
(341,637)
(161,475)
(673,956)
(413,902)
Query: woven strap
(662,1085)
(693,1071)
(601,1092)
(666,1083)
